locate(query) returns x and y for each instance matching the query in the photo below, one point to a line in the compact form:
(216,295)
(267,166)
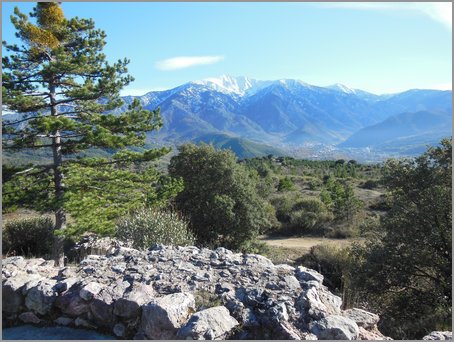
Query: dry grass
(289,249)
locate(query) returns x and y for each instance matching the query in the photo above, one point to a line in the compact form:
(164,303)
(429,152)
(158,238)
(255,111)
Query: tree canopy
(407,268)
(220,196)
(64,90)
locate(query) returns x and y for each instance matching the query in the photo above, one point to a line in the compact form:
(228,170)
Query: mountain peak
(228,84)
(343,88)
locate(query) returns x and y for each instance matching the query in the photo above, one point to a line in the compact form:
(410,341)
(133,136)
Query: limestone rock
(128,306)
(64,321)
(306,274)
(12,299)
(209,324)
(318,302)
(71,304)
(90,290)
(362,318)
(41,298)
(335,328)
(163,316)
(371,334)
(101,308)
(29,317)
(119,330)
(439,335)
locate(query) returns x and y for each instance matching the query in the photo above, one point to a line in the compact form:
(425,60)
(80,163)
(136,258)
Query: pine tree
(63,88)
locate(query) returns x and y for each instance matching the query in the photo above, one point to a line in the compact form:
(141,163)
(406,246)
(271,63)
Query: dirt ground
(304,242)
(290,249)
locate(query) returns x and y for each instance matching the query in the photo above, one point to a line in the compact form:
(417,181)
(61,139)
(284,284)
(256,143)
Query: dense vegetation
(401,267)
(61,84)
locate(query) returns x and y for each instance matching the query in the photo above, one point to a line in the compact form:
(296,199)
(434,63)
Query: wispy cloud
(439,11)
(183,62)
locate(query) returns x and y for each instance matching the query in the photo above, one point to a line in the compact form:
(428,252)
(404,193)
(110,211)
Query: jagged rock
(362,318)
(290,333)
(101,308)
(371,334)
(306,274)
(318,302)
(439,335)
(29,317)
(119,330)
(80,322)
(129,305)
(71,304)
(93,245)
(64,321)
(162,317)
(335,328)
(209,324)
(41,298)
(151,293)
(90,290)
(12,299)
(16,261)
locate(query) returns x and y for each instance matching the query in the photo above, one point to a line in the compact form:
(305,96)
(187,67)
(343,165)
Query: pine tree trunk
(60,215)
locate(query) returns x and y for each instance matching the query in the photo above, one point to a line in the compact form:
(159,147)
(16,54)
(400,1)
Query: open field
(290,249)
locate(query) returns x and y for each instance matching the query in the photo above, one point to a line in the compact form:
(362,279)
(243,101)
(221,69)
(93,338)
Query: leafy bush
(28,237)
(149,226)
(370,184)
(205,299)
(314,184)
(309,216)
(285,184)
(342,232)
(255,247)
(220,196)
(331,261)
(284,206)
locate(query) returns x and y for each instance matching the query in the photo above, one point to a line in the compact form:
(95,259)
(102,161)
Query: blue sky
(379,47)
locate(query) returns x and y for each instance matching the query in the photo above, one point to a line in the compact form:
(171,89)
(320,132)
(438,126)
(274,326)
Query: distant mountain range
(256,118)
(288,114)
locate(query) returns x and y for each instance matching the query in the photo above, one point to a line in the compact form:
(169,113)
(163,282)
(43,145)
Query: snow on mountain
(343,88)
(238,85)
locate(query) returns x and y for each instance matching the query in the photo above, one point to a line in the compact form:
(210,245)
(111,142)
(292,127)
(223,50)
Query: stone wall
(156,295)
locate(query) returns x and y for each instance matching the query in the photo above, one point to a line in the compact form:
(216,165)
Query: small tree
(219,196)
(60,83)
(340,199)
(406,270)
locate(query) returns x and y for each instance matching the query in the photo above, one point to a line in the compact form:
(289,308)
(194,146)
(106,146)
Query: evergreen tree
(62,85)
(405,270)
(220,197)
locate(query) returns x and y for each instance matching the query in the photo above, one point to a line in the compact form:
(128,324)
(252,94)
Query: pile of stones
(155,294)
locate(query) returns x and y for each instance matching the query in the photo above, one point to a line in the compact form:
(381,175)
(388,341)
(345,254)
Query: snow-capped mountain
(290,113)
(284,112)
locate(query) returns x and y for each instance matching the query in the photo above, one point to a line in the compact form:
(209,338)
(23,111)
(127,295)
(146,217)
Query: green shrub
(309,216)
(205,299)
(342,232)
(331,261)
(149,226)
(255,247)
(284,205)
(28,237)
(370,184)
(285,184)
(314,184)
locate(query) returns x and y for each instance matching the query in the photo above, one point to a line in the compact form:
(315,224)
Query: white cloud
(183,62)
(439,11)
